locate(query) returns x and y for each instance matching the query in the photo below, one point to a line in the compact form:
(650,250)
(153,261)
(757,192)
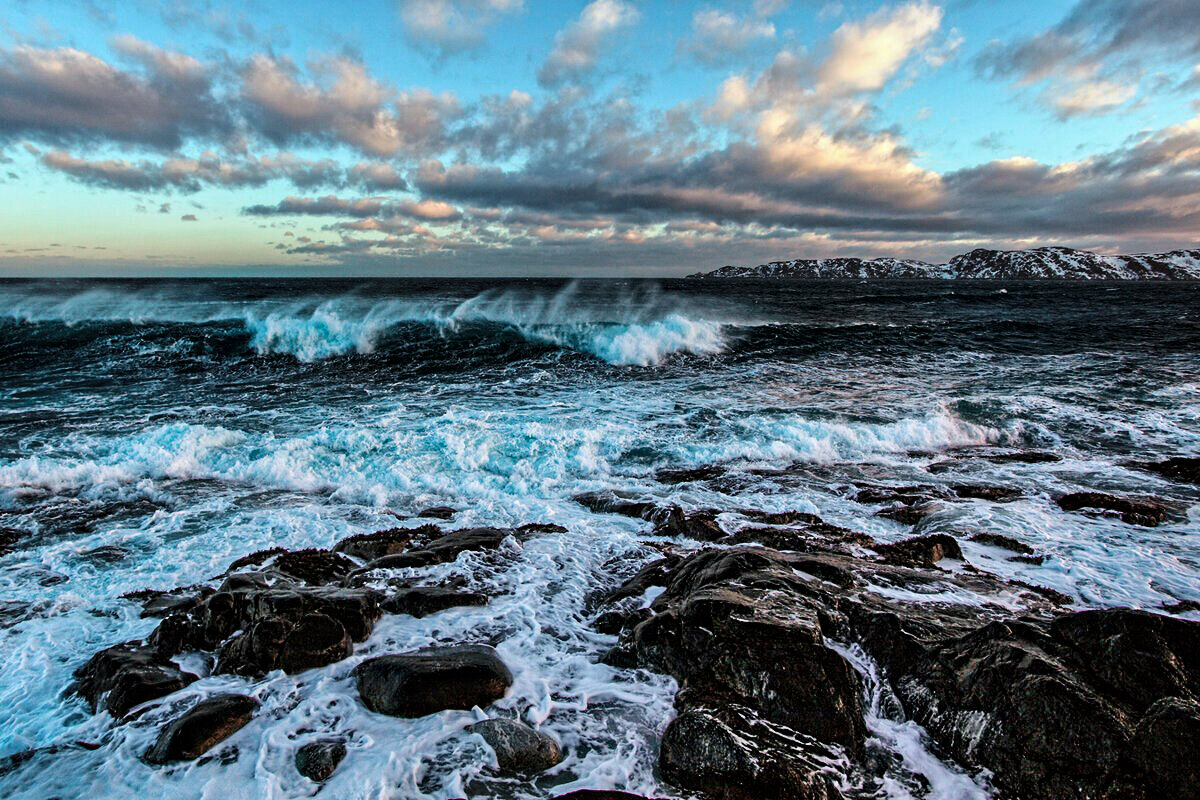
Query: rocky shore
(795,644)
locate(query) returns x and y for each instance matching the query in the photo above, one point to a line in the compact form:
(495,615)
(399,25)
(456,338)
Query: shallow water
(179,425)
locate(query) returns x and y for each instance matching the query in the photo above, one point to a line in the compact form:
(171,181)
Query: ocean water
(151,432)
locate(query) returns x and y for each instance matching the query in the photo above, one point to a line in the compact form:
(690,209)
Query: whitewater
(152,432)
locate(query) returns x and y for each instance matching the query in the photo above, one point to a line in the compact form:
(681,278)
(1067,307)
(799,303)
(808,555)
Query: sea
(151,432)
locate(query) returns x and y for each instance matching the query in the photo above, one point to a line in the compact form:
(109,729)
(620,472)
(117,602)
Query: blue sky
(616,137)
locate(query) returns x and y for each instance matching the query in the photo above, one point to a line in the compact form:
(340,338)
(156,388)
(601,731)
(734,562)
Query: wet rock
(974,491)
(1163,750)
(1177,469)
(676,476)
(540,527)
(656,573)
(613,503)
(313,640)
(105,554)
(9,538)
(370,546)
(443,549)
(904,495)
(421,601)
(519,748)
(437,512)
(127,675)
(920,550)
(1023,457)
(699,525)
(600,794)
(432,680)
(255,559)
(317,760)
(159,604)
(1133,511)
(204,726)
(1003,542)
(729,753)
(909,515)
(314,567)
(726,628)
(1181,606)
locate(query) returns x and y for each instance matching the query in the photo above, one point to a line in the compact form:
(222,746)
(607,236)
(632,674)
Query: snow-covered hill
(1041,262)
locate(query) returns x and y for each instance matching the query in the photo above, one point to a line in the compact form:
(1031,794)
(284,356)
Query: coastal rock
(1003,542)
(370,546)
(1163,751)
(1133,511)
(920,550)
(443,549)
(127,675)
(699,525)
(421,601)
(600,794)
(729,753)
(692,475)
(519,748)
(204,726)
(974,491)
(437,512)
(159,603)
(1180,468)
(317,760)
(9,537)
(432,680)
(312,640)
(313,567)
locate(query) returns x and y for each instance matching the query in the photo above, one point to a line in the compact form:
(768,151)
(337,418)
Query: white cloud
(1091,97)
(577,46)
(452,25)
(718,37)
(867,53)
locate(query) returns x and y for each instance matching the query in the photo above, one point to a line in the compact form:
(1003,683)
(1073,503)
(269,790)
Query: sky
(612,137)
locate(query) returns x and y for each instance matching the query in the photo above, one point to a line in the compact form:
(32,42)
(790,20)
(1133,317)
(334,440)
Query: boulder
(437,512)
(443,549)
(729,753)
(292,645)
(317,760)
(127,675)
(9,537)
(519,748)
(421,601)
(692,475)
(1133,511)
(157,603)
(1003,542)
(314,567)
(1163,748)
(370,546)
(432,680)
(920,550)
(1180,468)
(974,491)
(205,725)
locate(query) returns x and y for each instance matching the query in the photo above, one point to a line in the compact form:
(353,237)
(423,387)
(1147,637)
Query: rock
(1024,457)
(731,754)
(699,525)
(1133,511)
(725,628)
(600,794)
(1178,469)
(129,674)
(432,680)
(370,546)
(612,503)
(909,515)
(1003,542)
(905,495)
(317,760)
(443,549)
(255,559)
(206,725)
(9,537)
(421,601)
(314,567)
(981,492)
(313,640)
(676,476)
(159,604)
(1163,749)
(105,554)
(920,550)
(540,527)
(519,748)
(437,512)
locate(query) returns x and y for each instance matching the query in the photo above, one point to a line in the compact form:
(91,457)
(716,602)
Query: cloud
(331,205)
(452,26)
(347,105)
(1090,98)
(577,47)
(188,218)
(866,54)
(67,96)
(719,37)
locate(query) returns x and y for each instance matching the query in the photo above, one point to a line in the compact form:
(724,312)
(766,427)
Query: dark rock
(541,527)
(725,628)
(1177,469)
(437,512)
(105,554)
(982,492)
(656,573)
(443,549)
(731,754)
(612,503)
(908,515)
(519,748)
(130,674)
(1181,606)
(159,604)
(699,525)
(1036,561)
(317,760)
(370,546)
(432,680)
(1003,542)
(1133,511)
(206,725)
(255,559)
(905,495)
(314,567)
(1163,749)
(9,537)
(292,645)
(782,517)
(920,550)
(676,476)
(600,794)
(1024,457)
(421,601)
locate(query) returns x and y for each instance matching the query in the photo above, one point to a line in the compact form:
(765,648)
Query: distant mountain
(1041,262)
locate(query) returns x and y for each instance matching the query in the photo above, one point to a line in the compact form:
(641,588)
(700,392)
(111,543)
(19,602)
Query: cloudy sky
(485,137)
